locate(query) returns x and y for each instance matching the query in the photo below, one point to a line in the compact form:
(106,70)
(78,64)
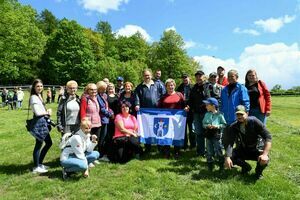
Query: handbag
(29,124)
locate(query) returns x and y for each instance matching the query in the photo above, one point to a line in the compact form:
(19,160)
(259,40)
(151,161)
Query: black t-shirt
(254,96)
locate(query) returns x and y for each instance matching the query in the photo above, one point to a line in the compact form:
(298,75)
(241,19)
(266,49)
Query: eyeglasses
(92,89)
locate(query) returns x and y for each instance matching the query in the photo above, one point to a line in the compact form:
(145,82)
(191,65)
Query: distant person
(213,89)
(61,93)
(157,79)
(68,111)
(78,154)
(126,142)
(244,133)
(147,95)
(53,93)
(221,80)
(4,97)
(15,98)
(185,88)
(106,80)
(49,96)
(10,99)
(20,97)
(119,87)
(260,97)
(197,106)
(213,123)
(41,131)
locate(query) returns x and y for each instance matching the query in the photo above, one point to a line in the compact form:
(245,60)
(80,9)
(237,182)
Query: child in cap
(213,123)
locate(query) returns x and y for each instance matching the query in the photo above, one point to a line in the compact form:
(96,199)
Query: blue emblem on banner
(161,126)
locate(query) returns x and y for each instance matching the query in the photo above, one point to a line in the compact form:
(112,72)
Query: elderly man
(248,132)
(147,95)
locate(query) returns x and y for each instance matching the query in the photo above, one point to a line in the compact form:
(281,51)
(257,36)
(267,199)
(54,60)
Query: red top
(130,123)
(89,108)
(264,97)
(224,81)
(174,101)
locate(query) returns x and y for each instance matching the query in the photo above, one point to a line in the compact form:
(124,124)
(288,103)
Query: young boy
(213,123)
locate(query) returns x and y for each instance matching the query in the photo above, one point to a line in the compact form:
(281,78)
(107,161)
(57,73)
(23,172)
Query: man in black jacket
(247,132)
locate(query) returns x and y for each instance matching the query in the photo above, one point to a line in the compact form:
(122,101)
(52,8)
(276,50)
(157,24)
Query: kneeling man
(246,132)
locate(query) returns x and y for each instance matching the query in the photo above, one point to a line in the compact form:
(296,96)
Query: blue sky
(263,35)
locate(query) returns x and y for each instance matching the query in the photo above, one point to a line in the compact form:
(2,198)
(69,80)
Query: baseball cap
(240,109)
(212,101)
(220,67)
(199,72)
(120,78)
(213,74)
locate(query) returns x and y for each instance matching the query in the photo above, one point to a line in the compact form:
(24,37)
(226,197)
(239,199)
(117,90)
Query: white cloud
(189,44)
(102,6)
(273,25)
(246,31)
(130,30)
(171,28)
(276,63)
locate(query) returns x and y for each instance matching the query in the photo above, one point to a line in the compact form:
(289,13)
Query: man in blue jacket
(232,95)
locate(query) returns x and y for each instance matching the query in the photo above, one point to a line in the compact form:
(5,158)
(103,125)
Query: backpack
(64,142)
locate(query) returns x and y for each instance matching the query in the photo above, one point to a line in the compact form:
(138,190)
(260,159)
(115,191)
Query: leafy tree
(68,55)
(47,22)
(169,56)
(110,50)
(97,43)
(21,42)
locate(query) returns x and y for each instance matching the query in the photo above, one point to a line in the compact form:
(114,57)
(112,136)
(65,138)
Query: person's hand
(94,138)
(263,159)
(187,109)
(268,113)
(137,108)
(228,163)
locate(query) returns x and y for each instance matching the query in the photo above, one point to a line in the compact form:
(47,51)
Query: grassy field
(152,177)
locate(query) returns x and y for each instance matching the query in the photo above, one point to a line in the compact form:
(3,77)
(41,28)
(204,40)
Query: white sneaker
(39,170)
(91,165)
(44,166)
(96,162)
(104,158)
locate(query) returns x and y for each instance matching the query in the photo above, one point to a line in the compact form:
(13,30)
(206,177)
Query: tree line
(57,50)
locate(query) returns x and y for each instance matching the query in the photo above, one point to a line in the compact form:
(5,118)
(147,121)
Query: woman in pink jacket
(260,97)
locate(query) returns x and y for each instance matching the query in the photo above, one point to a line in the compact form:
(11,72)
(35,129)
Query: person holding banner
(173,100)
(147,95)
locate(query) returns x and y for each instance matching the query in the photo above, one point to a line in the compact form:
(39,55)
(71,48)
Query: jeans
(74,164)
(102,139)
(257,113)
(191,136)
(19,105)
(38,156)
(214,149)
(200,142)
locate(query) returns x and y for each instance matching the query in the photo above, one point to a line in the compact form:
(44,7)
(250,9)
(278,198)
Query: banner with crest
(162,126)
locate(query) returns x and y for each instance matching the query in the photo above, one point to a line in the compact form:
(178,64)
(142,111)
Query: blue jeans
(200,142)
(214,149)
(74,164)
(257,113)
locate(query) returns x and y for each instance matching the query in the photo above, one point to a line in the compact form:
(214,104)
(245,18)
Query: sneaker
(96,162)
(91,165)
(246,168)
(39,170)
(43,166)
(104,158)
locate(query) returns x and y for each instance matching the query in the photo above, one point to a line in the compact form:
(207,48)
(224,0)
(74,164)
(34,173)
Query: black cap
(199,72)
(221,68)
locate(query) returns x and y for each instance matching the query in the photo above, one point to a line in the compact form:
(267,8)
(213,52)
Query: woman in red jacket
(260,97)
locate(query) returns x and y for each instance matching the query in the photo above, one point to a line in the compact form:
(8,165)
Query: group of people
(13,99)
(103,118)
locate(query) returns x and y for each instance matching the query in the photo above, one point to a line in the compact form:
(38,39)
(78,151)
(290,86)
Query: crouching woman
(125,141)
(78,153)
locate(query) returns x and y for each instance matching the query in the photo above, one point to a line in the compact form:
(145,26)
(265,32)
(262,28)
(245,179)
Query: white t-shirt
(37,106)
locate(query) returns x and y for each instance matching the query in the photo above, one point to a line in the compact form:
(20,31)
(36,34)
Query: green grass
(153,177)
